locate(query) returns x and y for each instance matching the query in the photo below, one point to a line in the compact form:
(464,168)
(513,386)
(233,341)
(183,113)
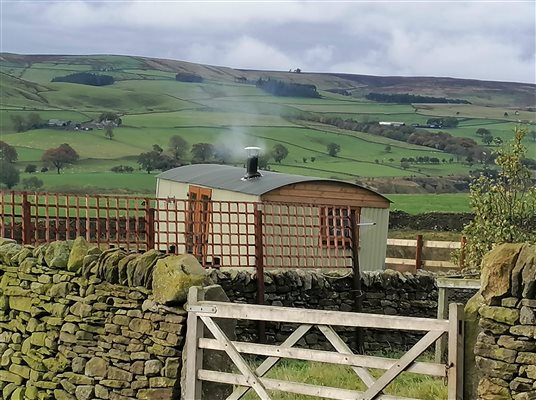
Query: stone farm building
(304,222)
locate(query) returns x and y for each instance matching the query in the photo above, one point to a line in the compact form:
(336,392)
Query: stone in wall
(174,275)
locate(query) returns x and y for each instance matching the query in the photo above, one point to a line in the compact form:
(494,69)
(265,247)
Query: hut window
(336,228)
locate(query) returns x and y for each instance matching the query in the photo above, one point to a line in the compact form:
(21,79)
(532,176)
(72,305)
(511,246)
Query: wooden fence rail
(203,315)
(419,262)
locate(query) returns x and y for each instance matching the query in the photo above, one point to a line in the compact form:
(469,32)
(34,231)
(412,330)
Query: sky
(488,40)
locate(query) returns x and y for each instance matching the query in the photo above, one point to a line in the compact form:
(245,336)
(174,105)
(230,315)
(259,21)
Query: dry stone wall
(505,349)
(78,323)
(388,292)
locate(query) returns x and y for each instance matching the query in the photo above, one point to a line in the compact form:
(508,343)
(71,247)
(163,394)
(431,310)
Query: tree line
(444,141)
(287,89)
(406,98)
(185,77)
(86,78)
(31,121)
(175,155)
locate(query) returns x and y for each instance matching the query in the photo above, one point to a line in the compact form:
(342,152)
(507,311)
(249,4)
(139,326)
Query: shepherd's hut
(230,217)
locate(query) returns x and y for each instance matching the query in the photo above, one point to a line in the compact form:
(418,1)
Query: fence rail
(419,246)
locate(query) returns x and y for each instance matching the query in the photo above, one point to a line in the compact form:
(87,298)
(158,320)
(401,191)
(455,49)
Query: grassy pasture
(155,107)
(502,129)
(186,118)
(95,182)
(474,111)
(423,203)
(407,385)
(151,73)
(44,75)
(28,155)
(358,107)
(83,97)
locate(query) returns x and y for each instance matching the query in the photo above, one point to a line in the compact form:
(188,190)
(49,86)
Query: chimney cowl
(252,163)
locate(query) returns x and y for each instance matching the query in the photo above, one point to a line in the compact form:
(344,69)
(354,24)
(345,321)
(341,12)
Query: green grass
(422,203)
(95,182)
(155,107)
(407,385)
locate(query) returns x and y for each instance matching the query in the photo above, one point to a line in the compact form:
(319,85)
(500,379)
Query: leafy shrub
(30,168)
(184,77)
(32,183)
(122,169)
(280,88)
(504,206)
(406,98)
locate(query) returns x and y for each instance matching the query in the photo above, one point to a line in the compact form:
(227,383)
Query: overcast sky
(491,40)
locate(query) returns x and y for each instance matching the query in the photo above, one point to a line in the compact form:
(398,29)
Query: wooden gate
(201,314)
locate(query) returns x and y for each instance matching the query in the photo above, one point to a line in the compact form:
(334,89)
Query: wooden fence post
(26,219)
(442,310)
(356,283)
(463,244)
(259,268)
(455,358)
(194,355)
(418,252)
(149,225)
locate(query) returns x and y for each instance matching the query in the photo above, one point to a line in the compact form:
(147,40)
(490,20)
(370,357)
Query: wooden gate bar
(339,345)
(401,365)
(194,354)
(252,379)
(322,317)
(270,361)
(455,357)
(291,387)
(323,356)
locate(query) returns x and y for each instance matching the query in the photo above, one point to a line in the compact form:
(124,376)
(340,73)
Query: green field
(221,111)
(407,385)
(423,203)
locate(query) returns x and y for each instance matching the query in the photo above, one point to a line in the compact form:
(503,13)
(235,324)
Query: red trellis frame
(218,233)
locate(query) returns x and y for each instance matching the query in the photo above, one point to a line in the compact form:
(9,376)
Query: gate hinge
(202,309)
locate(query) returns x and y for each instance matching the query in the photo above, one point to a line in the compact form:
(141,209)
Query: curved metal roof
(230,178)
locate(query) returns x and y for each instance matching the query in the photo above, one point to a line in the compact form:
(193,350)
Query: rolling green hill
(228,110)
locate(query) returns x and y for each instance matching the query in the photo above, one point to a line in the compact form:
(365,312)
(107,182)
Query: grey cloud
(475,39)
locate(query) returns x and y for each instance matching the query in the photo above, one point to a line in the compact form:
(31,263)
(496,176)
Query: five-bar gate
(203,314)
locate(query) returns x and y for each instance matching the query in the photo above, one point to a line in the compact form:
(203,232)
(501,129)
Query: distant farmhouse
(75,126)
(58,123)
(392,123)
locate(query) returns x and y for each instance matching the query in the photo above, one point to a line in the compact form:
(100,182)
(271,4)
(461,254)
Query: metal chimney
(252,163)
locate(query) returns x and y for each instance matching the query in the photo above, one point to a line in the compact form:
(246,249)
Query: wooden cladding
(337,194)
